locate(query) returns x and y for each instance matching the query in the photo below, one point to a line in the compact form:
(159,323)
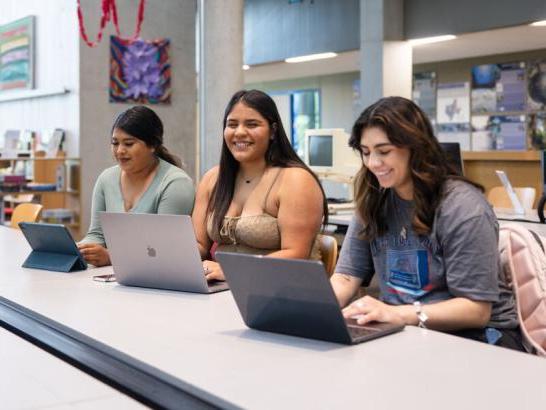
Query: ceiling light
(246,67)
(538,23)
(310,57)
(428,40)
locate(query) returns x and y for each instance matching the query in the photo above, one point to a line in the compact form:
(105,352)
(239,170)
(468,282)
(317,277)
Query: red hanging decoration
(109,11)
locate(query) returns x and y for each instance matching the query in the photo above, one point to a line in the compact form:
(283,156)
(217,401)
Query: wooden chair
(25,213)
(328,251)
(498,197)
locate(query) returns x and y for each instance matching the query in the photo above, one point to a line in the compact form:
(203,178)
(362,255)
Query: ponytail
(163,153)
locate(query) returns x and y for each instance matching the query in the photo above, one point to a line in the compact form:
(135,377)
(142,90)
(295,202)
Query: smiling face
(132,154)
(247,134)
(389,163)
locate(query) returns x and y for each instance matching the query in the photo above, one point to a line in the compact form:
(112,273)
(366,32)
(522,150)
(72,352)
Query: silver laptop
(293,297)
(156,251)
(517,207)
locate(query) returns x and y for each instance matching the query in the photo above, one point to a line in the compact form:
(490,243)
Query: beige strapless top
(253,234)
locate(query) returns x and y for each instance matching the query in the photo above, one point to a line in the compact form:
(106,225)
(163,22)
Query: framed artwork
(453,103)
(498,87)
(424,92)
(17,54)
(140,71)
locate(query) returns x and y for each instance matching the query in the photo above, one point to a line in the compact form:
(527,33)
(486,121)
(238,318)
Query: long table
(32,378)
(198,344)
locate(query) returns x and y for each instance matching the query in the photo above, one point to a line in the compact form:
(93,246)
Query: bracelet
(421,315)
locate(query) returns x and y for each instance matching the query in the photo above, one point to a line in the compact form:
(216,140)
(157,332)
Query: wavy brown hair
(408,127)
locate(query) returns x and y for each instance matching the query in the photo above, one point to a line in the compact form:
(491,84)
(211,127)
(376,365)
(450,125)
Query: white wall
(336,96)
(174,19)
(56,66)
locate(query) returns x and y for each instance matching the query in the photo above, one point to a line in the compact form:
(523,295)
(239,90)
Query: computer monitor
(453,151)
(327,151)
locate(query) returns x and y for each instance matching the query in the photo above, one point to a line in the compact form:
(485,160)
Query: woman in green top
(147,179)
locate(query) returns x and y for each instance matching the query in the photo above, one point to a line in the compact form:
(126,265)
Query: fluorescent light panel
(428,40)
(246,67)
(310,57)
(538,23)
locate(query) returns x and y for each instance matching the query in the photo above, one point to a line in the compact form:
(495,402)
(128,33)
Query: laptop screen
(453,151)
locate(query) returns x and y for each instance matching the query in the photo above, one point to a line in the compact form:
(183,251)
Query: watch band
(421,315)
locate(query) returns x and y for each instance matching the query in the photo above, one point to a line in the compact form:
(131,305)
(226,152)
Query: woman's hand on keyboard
(213,271)
(368,309)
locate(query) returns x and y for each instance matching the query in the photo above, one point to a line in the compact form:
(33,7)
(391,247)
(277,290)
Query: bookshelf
(51,192)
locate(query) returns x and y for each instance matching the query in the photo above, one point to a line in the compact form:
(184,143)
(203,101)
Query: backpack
(523,260)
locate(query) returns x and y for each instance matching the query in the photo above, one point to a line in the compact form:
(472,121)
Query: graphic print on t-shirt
(407,271)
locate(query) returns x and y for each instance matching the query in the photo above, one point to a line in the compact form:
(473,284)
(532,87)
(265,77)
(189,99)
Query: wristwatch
(421,315)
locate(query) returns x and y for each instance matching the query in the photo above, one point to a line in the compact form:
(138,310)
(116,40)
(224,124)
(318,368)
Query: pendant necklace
(403,235)
(249,180)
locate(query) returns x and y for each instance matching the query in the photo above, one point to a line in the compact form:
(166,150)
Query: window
(305,114)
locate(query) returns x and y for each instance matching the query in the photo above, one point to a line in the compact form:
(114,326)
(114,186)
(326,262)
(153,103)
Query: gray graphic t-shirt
(458,259)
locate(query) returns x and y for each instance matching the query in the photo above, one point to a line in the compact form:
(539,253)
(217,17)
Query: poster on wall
(140,72)
(536,85)
(453,103)
(484,81)
(17,54)
(455,133)
(511,87)
(482,138)
(424,93)
(500,132)
(498,87)
(357,103)
(536,130)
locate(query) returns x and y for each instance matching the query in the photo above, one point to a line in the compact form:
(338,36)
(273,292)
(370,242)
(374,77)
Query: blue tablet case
(53,248)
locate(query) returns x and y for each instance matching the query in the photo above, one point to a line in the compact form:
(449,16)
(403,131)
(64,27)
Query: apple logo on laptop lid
(151,252)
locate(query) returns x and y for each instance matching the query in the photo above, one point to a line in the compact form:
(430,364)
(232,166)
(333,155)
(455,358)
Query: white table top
(32,378)
(202,340)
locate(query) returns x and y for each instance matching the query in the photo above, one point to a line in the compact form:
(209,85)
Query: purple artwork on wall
(140,72)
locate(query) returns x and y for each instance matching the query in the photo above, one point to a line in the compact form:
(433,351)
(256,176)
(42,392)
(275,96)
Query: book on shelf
(40,186)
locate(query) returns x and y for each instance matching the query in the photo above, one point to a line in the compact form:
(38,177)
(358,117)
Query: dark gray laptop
(293,297)
(156,251)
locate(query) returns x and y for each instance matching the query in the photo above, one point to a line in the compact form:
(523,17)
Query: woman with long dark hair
(261,199)
(429,235)
(146,179)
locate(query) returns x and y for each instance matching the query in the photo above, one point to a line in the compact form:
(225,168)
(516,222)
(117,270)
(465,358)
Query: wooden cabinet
(522,168)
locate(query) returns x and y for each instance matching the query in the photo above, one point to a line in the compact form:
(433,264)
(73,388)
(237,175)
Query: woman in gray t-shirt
(428,233)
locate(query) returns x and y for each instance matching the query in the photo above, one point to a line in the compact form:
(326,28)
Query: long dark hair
(406,126)
(143,123)
(279,154)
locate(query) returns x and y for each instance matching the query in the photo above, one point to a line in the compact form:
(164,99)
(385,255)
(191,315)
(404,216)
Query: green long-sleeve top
(171,192)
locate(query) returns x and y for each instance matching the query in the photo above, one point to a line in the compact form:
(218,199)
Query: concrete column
(385,58)
(173,19)
(220,71)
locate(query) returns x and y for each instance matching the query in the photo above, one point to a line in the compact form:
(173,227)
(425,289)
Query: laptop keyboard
(214,284)
(359,331)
